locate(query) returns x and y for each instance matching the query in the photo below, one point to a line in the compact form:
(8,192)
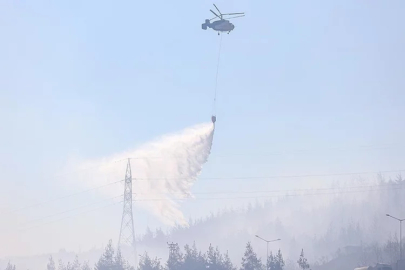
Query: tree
(193,259)
(391,248)
(147,263)
(175,260)
(76,264)
(110,262)
(214,258)
(106,262)
(61,266)
(280,261)
(227,264)
(85,266)
(10,266)
(302,261)
(51,264)
(271,262)
(250,261)
(119,262)
(160,236)
(148,236)
(69,266)
(275,262)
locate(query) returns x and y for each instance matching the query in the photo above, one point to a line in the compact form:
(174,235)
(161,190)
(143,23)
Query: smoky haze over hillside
(325,222)
(319,220)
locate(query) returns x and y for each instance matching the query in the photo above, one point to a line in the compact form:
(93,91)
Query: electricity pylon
(127,232)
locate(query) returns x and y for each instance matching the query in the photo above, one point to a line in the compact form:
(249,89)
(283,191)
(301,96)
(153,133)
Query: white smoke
(163,171)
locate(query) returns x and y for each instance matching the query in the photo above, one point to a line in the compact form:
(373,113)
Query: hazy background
(304,89)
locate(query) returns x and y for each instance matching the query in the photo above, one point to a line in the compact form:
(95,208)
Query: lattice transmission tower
(127,232)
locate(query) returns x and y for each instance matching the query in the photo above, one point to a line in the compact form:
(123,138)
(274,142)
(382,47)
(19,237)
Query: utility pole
(127,232)
(172,248)
(400,233)
(174,260)
(267,242)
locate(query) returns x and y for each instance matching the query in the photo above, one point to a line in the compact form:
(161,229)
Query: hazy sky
(92,78)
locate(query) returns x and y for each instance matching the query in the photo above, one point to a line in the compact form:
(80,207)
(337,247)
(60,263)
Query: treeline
(109,260)
(189,259)
(353,216)
(213,259)
(193,259)
(388,252)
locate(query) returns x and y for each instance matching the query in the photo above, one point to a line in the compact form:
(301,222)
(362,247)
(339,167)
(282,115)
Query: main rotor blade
(217,9)
(215,14)
(235,17)
(234,13)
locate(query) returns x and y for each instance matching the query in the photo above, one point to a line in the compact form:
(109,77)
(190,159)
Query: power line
(276,196)
(223,193)
(360,147)
(63,197)
(270,191)
(369,188)
(270,177)
(70,210)
(58,220)
(206,178)
(363,147)
(85,169)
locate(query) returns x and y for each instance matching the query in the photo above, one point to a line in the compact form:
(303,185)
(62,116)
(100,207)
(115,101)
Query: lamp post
(400,233)
(267,242)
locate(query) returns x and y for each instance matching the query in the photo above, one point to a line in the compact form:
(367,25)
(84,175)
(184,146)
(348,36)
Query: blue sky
(92,78)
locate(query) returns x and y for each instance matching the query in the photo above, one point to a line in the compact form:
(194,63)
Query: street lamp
(267,242)
(400,234)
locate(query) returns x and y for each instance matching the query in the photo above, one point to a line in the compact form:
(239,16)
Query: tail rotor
(206,24)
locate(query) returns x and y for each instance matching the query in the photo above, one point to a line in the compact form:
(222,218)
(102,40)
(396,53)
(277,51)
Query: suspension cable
(216,77)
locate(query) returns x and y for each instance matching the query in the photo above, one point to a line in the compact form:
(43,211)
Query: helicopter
(221,25)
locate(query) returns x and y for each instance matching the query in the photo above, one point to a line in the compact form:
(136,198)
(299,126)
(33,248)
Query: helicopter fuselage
(220,25)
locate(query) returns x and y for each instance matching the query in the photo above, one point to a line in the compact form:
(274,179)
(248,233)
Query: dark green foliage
(227,264)
(217,261)
(193,259)
(70,266)
(214,258)
(61,266)
(302,261)
(106,262)
(110,262)
(250,261)
(51,264)
(147,263)
(76,264)
(85,266)
(10,266)
(275,262)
